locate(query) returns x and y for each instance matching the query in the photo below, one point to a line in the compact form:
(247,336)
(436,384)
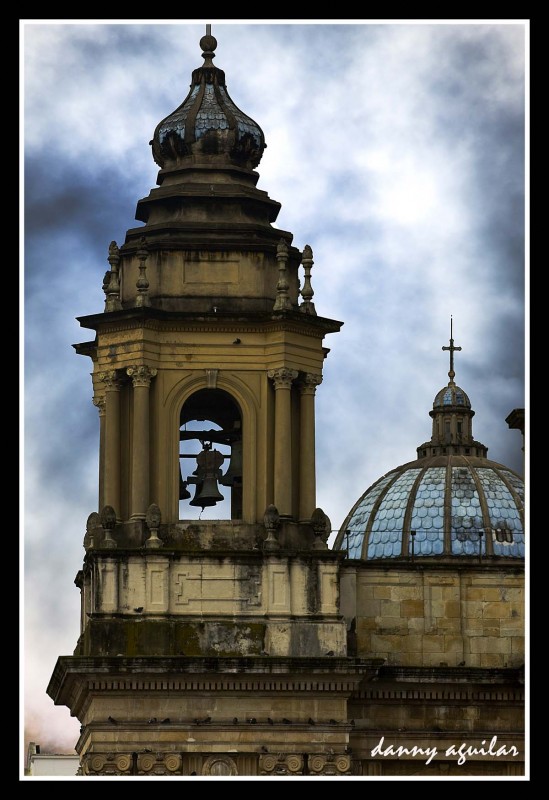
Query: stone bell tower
(208,646)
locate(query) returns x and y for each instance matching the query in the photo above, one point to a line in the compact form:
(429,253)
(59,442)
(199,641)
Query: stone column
(141,378)
(282,379)
(99,403)
(111,485)
(307,475)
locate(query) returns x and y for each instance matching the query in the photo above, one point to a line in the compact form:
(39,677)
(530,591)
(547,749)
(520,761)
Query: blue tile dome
(451,395)
(457,506)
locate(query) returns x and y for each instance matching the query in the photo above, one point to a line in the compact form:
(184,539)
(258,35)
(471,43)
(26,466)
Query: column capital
(100,404)
(282,377)
(331,764)
(141,375)
(309,382)
(110,379)
(281,764)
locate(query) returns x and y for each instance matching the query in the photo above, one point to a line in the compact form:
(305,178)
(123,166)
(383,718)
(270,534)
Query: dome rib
(408,514)
(519,501)
(395,475)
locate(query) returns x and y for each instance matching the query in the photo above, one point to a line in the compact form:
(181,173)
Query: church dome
(455,505)
(208,123)
(452,501)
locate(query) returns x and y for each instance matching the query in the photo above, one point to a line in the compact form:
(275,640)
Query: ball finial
(208,43)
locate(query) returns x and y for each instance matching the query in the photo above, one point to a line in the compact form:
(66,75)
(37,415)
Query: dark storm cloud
(61,197)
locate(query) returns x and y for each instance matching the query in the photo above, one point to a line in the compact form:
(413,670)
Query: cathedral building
(245,645)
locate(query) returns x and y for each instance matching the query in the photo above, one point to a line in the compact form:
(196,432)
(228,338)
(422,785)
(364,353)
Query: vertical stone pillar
(141,379)
(307,474)
(111,485)
(99,403)
(282,379)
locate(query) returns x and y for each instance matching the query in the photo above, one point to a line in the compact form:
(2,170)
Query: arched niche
(210,455)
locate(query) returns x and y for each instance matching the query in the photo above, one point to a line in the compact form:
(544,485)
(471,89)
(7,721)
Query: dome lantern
(452,416)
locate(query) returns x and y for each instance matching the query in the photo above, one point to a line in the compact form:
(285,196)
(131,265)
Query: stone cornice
(222,322)
(75,677)
(214,554)
(86,349)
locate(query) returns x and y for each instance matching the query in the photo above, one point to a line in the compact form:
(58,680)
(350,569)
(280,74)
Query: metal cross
(452,348)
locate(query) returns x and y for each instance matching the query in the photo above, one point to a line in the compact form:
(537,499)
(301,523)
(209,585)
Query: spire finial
(452,349)
(208,43)
(282,301)
(307,306)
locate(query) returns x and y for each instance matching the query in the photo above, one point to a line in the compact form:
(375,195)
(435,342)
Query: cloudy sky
(397,152)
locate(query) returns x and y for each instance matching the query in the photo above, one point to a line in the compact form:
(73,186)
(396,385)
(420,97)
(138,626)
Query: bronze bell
(207,491)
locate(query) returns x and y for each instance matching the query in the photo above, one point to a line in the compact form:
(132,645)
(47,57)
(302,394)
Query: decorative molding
(270,683)
(303,326)
(282,377)
(141,375)
(199,585)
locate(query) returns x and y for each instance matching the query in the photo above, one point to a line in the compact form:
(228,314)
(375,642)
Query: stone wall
(436,615)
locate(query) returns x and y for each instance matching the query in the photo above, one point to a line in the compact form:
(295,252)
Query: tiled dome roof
(451,395)
(208,123)
(457,506)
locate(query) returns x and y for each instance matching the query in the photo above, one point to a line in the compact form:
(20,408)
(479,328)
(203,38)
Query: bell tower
(211,635)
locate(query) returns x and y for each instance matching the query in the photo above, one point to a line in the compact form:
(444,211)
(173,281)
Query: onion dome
(450,502)
(208,123)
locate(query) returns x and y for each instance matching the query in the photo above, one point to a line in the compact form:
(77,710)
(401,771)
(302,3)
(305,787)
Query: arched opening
(210,456)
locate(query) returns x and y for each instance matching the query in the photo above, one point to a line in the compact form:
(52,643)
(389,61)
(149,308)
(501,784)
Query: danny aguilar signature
(462,752)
